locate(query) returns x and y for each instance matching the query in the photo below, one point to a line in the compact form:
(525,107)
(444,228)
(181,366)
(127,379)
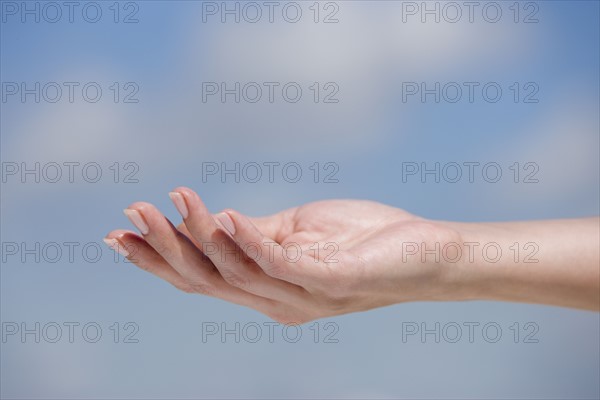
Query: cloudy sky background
(170,133)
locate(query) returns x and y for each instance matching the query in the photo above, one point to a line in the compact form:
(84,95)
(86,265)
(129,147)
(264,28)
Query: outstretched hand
(320,259)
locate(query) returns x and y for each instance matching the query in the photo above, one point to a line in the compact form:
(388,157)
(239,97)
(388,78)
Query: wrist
(472,264)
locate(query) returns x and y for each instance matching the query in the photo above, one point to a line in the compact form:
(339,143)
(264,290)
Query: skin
(340,256)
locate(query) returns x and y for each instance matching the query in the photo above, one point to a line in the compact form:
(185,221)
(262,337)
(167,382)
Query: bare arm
(340,256)
(553,262)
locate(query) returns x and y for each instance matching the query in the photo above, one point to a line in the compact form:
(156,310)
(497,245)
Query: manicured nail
(116,246)
(136,218)
(179,202)
(226,222)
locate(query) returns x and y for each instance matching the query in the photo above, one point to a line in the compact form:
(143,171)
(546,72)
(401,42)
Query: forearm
(548,262)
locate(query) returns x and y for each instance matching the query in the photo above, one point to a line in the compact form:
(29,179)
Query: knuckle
(163,249)
(338,304)
(285,319)
(144,266)
(186,288)
(234,279)
(289,316)
(202,288)
(294,320)
(333,299)
(275,271)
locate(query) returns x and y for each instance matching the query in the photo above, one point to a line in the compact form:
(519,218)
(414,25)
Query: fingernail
(116,246)
(179,202)
(136,218)
(226,222)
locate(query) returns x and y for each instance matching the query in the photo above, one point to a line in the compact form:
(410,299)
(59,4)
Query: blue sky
(368,134)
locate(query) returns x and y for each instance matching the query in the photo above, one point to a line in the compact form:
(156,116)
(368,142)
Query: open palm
(320,259)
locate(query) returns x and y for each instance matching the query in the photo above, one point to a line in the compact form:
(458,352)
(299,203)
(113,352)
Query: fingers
(236,267)
(268,254)
(139,252)
(180,253)
(169,243)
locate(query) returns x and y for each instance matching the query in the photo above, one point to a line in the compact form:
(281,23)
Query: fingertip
(182,189)
(137,218)
(180,203)
(113,241)
(187,193)
(226,222)
(114,234)
(123,234)
(139,205)
(192,206)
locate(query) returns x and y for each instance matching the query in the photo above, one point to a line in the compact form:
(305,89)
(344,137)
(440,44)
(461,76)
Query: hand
(334,257)
(320,259)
